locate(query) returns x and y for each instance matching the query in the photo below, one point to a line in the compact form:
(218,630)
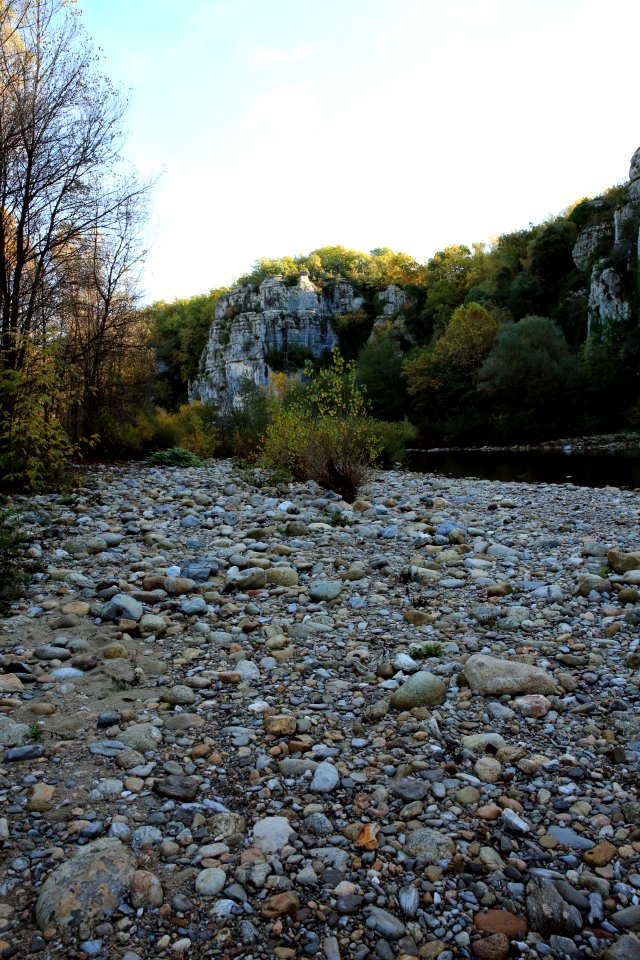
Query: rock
(141,736)
(325,590)
(325,778)
(282,576)
(146,890)
(385,924)
(252,578)
(152,624)
(280,905)
(87,887)
(589,582)
(177,787)
(495,947)
(501,921)
(422,689)
(533,705)
(625,948)
(429,845)
(20,754)
(271,834)
(179,695)
(210,882)
(492,676)
(548,913)
(628,918)
(13,734)
(280,725)
(622,562)
(122,607)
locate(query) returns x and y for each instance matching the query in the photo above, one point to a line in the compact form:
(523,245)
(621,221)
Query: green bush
(13,577)
(323,431)
(174,457)
(240,428)
(393,439)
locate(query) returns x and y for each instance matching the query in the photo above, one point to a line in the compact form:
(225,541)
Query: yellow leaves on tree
(458,354)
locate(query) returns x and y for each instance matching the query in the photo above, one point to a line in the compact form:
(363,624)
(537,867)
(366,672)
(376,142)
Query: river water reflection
(587,469)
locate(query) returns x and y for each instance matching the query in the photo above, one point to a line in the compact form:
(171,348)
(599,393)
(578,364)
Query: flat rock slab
(87,887)
(492,676)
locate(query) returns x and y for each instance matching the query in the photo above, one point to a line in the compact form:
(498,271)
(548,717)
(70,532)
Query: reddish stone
(495,947)
(501,921)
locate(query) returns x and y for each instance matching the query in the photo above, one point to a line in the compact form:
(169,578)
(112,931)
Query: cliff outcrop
(608,251)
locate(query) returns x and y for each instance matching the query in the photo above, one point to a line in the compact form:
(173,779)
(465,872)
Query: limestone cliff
(607,250)
(250,325)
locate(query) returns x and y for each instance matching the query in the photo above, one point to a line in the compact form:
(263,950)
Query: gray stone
(422,689)
(122,607)
(325,590)
(429,845)
(325,779)
(210,882)
(141,737)
(271,834)
(548,912)
(385,924)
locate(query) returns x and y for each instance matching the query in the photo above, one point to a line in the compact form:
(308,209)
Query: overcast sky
(278,126)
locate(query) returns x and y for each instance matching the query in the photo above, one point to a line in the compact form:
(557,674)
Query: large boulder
(491,676)
(87,887)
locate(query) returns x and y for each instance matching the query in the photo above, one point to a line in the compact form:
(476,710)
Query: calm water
(595,469)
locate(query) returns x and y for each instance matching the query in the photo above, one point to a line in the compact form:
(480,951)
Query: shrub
(322,432)
(393,438)
(241,427)
(174,457)
(13,578)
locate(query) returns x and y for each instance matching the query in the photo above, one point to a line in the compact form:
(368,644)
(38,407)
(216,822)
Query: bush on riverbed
(321,431)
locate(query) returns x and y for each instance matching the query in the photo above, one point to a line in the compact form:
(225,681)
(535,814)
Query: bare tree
(66,206)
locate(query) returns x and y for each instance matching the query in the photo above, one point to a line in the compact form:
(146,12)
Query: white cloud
(271,56)
(279,106)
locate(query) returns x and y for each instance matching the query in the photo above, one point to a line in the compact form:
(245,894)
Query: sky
(275,127)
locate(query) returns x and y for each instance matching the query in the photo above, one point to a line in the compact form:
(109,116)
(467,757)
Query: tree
(63,185)
(530,378)
(379,371)
(442,377)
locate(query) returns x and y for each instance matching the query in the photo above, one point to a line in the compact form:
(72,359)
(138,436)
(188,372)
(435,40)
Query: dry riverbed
(246,721)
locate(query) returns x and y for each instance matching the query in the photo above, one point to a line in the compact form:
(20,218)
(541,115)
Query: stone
(502,921)
(271,834)
(179,695)
(280,905)
(547,911)
(533,705)
(492,676)
(325,590)
(325,778)
(88,887)
(625,948)
(627,918)
(122,607)
(146,890)
(494,947)
(429,845)
(13,734)
(282,577)
(151,624)
(385,924)
(210,882)
(177,787)
(252,578)
(141,737)
(280,725)
(422,689)
(600,855)
(623,562)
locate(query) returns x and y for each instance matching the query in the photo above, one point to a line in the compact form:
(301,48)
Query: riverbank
(598,443)
(250,721)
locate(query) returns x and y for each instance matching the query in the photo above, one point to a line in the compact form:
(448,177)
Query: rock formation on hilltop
(608,249)
(252,323)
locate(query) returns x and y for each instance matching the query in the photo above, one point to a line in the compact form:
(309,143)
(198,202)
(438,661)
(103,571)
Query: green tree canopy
(530,379)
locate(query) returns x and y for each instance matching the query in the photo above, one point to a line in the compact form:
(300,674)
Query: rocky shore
(241,720)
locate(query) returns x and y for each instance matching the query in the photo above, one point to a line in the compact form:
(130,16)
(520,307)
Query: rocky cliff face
(250,324)
(610,252)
